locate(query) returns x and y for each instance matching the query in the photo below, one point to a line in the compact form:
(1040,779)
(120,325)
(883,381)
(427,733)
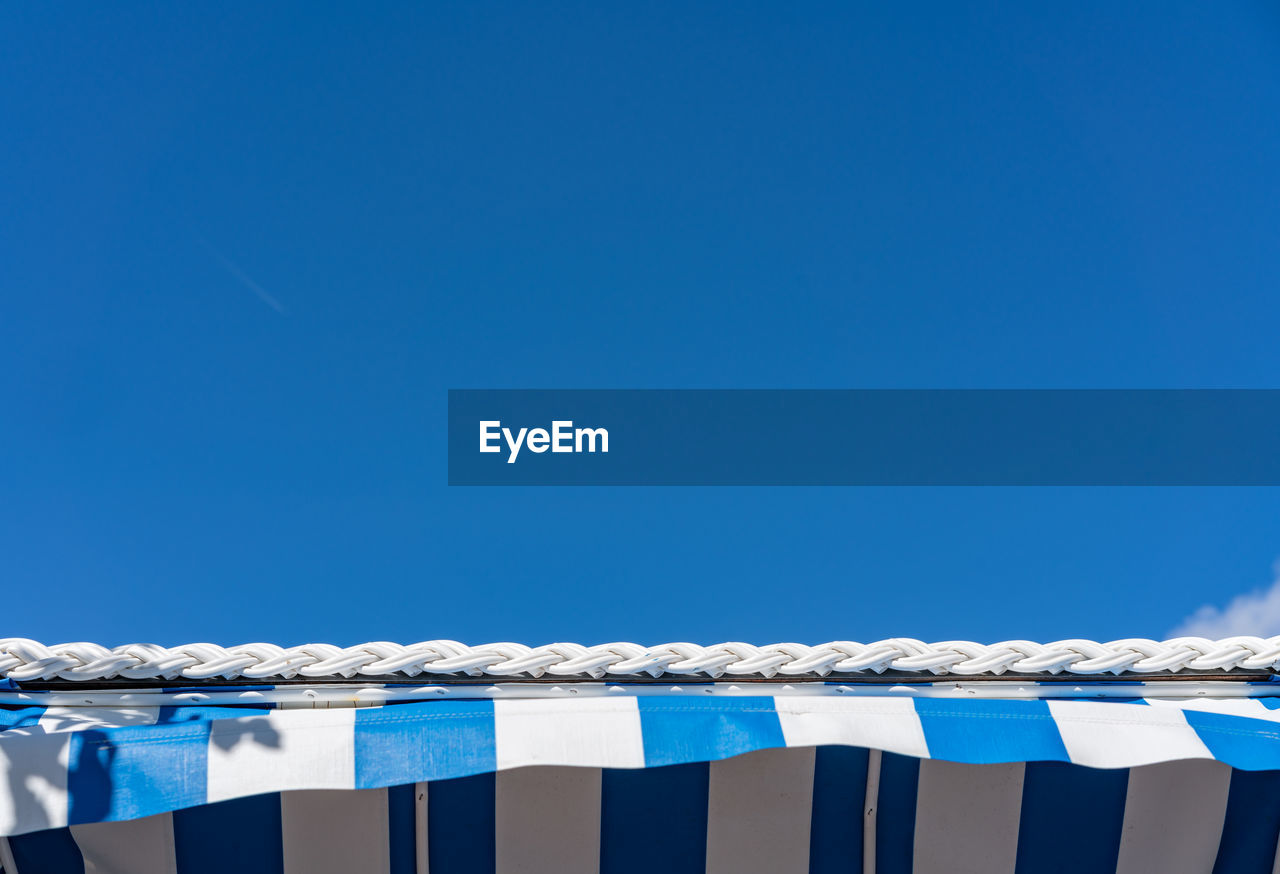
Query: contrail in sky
(262,293)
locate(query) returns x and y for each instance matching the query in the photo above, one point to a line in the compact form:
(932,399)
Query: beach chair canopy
(895,756)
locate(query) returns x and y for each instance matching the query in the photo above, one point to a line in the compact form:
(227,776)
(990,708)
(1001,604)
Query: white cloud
(1253,613)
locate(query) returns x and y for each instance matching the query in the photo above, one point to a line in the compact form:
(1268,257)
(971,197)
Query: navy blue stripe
(678,730)
(1072,817)
(896,813)
(1252,825)
(839,793)
(988,731)
(241,835)
(632,798)
(52,851)
(401,830)
(461,825)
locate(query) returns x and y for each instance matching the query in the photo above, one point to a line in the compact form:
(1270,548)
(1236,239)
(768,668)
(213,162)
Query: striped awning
(644,782)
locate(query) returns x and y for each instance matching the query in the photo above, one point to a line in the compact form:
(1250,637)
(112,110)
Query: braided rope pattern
(27,660)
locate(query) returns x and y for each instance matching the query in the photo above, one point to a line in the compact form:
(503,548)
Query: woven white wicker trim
(27,660)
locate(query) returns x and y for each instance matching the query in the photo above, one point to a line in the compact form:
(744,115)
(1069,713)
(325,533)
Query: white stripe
(967,818)
(1125,735)
(33,777)
(59,719)
(871,804)
(7,864)
(1250,708)
(1173,814)
(889,724)
(547,820)
(420,828)
(34,762)
(599,733)
(758,813)
(135,846)
(335,831)
(282,750)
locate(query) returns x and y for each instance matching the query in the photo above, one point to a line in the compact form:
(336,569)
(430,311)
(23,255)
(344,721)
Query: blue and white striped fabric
(715,784)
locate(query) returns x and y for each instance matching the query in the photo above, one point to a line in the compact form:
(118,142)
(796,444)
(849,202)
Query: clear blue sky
(245,249)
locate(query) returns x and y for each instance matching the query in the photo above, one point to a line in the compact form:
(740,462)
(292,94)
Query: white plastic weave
(27,660)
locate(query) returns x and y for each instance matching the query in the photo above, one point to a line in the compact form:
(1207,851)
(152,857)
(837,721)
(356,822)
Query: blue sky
(245,250)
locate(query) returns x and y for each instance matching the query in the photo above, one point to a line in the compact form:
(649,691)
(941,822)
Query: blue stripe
(1252,825)
(52,851)
(421,741)
(242,836)
(678,730)
(896,814)
(986,732)
(461,825)
(124,773)
(1241,742)
(839,793)
(632,798)
(209,712)
(19,717)
(401,828)
(1071,818)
